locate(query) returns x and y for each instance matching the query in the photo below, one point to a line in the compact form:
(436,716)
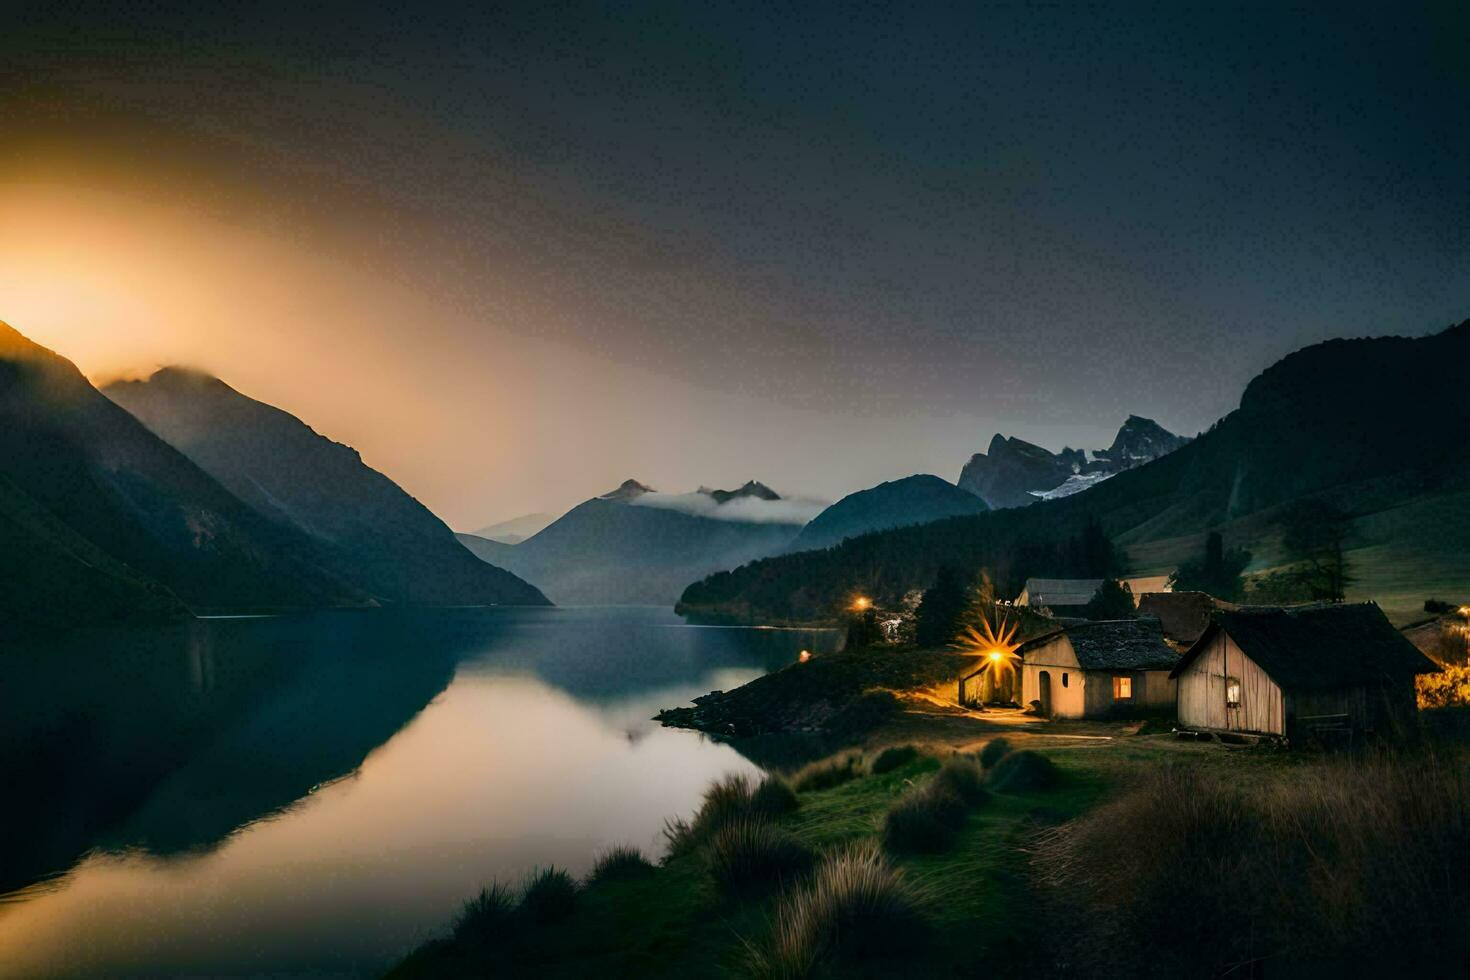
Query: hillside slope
(375,534)
(610,550)
(898,503)
(1374,424)
(87,465)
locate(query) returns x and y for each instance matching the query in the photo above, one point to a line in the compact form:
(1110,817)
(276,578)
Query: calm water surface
(314,795)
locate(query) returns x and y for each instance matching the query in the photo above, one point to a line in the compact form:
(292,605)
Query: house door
(1044,692)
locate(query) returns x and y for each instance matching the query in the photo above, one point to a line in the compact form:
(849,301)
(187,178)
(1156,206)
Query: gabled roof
(1061,591)
(1115,644)
(1184,615)
(1317,647)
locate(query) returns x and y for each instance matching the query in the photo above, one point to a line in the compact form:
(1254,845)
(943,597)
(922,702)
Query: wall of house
(1202,692)
(1386,710)
(1056,658)
(1152,691)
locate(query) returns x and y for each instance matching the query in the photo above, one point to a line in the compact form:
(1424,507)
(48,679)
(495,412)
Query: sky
(516,255)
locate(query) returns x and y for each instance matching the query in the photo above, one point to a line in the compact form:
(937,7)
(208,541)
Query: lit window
(1232,692)
(1122,687)
(1064,680)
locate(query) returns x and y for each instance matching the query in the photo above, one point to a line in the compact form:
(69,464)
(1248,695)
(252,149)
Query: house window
(1122,688)
(1232,692)
(1064,680)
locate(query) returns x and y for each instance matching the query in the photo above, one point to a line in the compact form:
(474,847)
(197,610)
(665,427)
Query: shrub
(486,916)
(751,855)
(549,895)
(1450,688)
(1358,866)
(994,750)
(1023,772)
(925,820)
(726,800)
(962,776)
(773,797)
(892,758)
(856,908)
(619,863)
(825,775)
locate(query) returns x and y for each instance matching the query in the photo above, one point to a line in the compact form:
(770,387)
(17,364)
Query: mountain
(372,532)
(912,500)
(1377,426)
(1015,473)
(515,530)
(637,546)
(120,517)
(751,488)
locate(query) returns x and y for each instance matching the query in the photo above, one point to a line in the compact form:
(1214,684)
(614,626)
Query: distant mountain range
(515,530)
(101,520)
(912,500)
(633,545)
(1015,473)
(1377,426)
(370,532)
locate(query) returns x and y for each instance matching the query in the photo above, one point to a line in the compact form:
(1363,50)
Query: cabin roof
(1317,647)
(1184,615)
(1115,644)
(1061,591)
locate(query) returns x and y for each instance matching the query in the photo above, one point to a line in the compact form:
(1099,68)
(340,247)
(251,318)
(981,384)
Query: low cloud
(748,510)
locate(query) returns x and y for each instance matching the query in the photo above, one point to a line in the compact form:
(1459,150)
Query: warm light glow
(861,603)
(805,656)
(996,643)
(997,655)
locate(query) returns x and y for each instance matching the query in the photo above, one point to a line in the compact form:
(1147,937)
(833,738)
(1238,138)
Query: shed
(1061,596)
(1295,670)
(1099,669)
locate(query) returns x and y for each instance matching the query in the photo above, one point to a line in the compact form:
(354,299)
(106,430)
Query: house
(1299,670)
(1099,669)
(1183,615)
(1151,583)
(1059,596)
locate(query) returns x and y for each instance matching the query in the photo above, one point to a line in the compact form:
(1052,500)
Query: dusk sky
(515,257)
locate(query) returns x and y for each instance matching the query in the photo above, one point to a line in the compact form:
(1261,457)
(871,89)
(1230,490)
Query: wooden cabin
(1098,670)
(1298,670)
(1064,597)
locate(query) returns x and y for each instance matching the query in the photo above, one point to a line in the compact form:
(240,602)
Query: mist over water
(316,794)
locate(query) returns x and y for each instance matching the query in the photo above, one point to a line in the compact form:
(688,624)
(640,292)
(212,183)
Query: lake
(316,794)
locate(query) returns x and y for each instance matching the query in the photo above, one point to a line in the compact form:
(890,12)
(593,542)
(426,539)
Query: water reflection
(136,758)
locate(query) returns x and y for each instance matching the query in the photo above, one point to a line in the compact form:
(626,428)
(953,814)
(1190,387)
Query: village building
(1149,583)
(1098,670)
(1061,597)
(1184,616)
(1299,671)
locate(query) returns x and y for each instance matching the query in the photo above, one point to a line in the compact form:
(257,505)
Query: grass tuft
(894,757)
(774,797)
(487,916)
(1023,772)
(857,908)
(925,820)
(620,863)
(961,774)
(825,775)
(752,856)
(994,750)
(550,894)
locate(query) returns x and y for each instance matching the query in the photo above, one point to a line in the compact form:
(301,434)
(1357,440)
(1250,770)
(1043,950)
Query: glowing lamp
(861,603)
(804,656)
(996,656)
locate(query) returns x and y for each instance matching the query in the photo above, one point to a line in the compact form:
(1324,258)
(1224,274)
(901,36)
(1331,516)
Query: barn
(1297,671)
(1065,597)
(1099,669)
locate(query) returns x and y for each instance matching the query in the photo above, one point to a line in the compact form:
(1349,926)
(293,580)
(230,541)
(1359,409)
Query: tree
(1112,600)
(941,609)
(863,629)
(1217,572)
(1314,534)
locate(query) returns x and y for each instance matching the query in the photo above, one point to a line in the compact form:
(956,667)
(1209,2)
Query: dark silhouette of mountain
(112,508)
(1016,473)
(912,500)
(751,488)
(612,550)
(376,535)
(1377,426)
